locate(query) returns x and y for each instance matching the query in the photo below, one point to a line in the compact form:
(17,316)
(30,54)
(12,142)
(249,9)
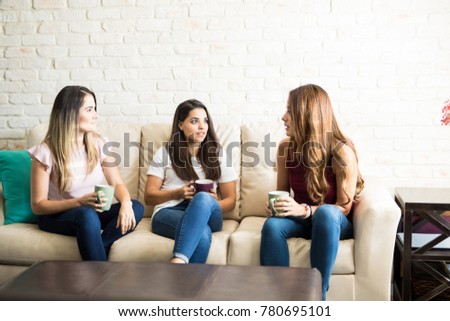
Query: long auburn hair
(178,148)
(63,129)
(317,139)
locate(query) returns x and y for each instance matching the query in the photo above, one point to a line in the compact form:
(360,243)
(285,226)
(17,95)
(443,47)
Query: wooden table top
(83,280)
(419,198)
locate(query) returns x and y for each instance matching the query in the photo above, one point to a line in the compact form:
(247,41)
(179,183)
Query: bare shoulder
(283,147)
(284,142)
(98,139)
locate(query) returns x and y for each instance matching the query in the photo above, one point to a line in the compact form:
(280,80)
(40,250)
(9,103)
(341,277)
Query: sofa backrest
(251,147)
(258,167)
(154,135)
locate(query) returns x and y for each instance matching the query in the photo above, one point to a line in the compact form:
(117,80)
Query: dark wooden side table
(429,252)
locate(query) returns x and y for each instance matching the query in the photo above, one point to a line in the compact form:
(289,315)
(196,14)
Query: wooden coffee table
(67,280)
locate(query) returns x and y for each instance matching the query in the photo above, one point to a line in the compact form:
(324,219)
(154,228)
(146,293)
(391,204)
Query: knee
(204,198)
(326,214)
(271,227)
(87,218)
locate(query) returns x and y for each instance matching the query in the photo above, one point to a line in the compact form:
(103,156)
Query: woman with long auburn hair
(180,213)
(65,168)
(320,165)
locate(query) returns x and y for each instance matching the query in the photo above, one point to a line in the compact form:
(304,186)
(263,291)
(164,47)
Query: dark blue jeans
(190,224)
(328,226)
(87,225)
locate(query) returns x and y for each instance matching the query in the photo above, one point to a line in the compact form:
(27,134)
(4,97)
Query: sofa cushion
(245,247)
(124,145)
(152,138)
(15,169)
(154,135)
(143,246)
(140,245)
(25,244)
(259,148)
(36,134)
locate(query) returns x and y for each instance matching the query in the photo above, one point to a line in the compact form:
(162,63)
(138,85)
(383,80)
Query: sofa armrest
(375,220)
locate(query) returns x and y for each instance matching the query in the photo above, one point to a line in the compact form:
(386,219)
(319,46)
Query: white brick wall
(385,64)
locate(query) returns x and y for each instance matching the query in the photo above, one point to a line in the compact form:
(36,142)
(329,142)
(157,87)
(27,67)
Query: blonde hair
(317,139)
(63,129)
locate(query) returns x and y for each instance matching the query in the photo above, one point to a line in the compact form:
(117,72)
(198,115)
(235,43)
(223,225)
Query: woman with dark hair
(65,168)
(319,164)
(181,214)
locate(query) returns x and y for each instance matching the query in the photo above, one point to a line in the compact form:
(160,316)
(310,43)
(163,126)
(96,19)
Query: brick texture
(385,64)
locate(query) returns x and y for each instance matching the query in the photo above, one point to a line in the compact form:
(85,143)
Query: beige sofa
(363,266)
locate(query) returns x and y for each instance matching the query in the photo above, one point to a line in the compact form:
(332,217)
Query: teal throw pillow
(15,167)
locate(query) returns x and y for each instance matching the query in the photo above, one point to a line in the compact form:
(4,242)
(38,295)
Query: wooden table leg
(407,240)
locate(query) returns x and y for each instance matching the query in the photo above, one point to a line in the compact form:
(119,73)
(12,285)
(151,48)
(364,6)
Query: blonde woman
(319,164)
(65,168)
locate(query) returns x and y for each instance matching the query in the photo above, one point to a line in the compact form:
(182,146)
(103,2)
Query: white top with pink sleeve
(81,182)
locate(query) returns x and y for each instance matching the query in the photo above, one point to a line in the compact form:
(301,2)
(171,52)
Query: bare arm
(154,195)
(349,169)
(346,177)
(113,178)
(41,205)
(126,219)
(282,174)
(282,171)
(228,192)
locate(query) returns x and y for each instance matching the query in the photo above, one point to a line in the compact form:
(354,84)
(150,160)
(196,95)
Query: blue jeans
(87,225)
(190,224)
(328,226)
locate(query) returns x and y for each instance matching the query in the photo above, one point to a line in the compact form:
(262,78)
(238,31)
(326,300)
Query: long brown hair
(178,148)
(63,129)
(318,138)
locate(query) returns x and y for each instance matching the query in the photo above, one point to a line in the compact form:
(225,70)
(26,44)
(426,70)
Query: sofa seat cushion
(245,246)
(141,245)
(145,246)
(25,244)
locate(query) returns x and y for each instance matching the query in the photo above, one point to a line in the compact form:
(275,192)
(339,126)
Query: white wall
(385,64)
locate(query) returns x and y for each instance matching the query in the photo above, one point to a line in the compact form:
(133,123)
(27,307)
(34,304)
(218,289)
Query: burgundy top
(297,180)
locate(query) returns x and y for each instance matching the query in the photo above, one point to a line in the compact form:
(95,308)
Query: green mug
(273,197)
(105,191)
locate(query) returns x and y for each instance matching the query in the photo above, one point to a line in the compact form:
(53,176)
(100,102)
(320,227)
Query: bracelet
(309,211)
(127,203)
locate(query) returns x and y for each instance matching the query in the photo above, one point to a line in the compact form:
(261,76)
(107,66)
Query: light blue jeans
(327,227)
(190,224)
